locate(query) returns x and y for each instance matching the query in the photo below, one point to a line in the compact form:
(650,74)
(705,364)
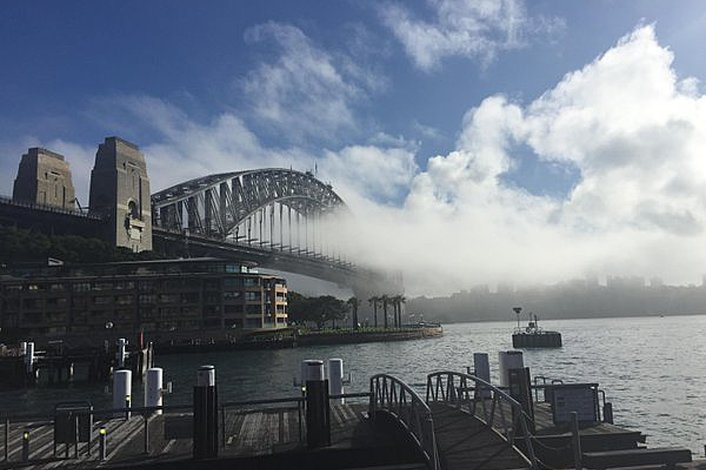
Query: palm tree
(385,301)
(374,302)
(399,300)
(354,303)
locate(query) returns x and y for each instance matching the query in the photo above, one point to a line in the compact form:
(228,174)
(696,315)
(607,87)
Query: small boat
(532,336)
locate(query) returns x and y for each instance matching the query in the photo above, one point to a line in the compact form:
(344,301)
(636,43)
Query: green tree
(319,310)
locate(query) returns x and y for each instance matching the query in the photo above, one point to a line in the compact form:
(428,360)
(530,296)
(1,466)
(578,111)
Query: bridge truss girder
(268,206)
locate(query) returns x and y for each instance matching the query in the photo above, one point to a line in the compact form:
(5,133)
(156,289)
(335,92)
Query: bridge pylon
(120,193)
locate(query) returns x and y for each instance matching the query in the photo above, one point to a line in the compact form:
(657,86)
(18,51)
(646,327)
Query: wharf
(264,439)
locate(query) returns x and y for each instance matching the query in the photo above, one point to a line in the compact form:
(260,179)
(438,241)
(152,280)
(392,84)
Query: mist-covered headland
(619,297)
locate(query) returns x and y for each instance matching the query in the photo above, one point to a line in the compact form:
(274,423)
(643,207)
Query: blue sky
(469,116)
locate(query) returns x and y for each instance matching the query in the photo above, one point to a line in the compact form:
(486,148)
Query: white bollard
(23,348)
(153,388)
(509,360)
(122,390)
(313,370)
(335,377)
(206,376)
(120,354)
(29,357)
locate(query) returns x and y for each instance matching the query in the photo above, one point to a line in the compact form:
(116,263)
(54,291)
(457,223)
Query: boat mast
(517,311)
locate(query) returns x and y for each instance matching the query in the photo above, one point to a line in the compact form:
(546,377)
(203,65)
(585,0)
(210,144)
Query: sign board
(581,398)
(73,422)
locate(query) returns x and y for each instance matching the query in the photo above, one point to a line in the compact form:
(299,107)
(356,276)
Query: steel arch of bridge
(275,208)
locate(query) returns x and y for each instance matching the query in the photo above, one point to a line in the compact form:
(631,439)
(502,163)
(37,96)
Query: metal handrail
(484,401)
(393,396)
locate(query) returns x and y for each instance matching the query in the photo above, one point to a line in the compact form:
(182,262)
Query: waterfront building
(44,177)
(197,299)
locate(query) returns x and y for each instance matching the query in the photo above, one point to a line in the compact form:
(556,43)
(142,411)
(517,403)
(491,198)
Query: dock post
(102,438)
(205,413)
(335,377)
(481,367)
(509,360)
(7,438)
(318,425)
(608,413)
(122,389)
(154,379)
(25,445)
(121,352)
(576,440)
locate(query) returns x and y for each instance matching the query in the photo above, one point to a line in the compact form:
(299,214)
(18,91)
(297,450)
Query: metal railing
(486,402)
(391,395)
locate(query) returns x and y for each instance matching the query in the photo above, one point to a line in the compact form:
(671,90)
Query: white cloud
(306,92)
(636,134)
(466,28)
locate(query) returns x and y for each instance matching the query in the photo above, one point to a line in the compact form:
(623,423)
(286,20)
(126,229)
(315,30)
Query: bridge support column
(318,424)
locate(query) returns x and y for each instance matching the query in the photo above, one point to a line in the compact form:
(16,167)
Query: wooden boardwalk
(249,437)
(269,438)
(464,442)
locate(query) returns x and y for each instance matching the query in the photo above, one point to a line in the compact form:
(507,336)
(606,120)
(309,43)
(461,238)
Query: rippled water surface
(653,369)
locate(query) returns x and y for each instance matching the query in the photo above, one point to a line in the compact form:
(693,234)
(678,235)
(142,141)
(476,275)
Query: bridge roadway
(464,442)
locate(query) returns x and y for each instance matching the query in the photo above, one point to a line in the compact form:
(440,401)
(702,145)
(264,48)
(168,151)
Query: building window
(252,296)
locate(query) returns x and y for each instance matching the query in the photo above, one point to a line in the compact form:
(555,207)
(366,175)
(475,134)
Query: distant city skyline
(475,141)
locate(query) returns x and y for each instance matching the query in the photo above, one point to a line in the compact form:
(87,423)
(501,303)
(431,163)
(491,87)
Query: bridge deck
(466,443)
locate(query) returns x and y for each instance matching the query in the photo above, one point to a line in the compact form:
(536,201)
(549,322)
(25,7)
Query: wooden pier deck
(275,437)
(263,439)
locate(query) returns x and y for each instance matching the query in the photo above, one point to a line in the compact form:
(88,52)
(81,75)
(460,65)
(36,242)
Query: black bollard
(25,446)
(205,414)
(102,441)
(318,424)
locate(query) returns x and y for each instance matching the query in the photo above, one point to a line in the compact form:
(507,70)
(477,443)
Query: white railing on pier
(492,406)
(390,395)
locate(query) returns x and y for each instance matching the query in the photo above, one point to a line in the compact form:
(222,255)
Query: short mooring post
(25,445)
(205,413)
(102,441)
(318,425)
(576,439)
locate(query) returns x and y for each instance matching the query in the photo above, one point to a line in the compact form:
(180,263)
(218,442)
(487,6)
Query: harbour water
(653,370)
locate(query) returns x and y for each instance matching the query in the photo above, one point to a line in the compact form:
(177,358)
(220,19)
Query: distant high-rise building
(120,192)
(43,177)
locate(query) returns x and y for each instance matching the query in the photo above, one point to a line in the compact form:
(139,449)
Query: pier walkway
(458,422)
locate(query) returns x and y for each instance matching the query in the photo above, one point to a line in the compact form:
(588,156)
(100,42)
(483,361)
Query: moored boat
(532,336)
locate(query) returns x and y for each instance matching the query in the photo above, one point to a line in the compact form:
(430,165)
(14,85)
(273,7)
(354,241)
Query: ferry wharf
(454,421)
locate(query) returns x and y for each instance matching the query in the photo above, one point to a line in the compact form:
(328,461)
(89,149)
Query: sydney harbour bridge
(277,218)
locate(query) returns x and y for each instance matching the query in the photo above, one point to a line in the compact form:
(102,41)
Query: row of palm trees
(384,301)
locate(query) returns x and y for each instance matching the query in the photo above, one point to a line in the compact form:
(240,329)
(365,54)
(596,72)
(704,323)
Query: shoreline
(291,338)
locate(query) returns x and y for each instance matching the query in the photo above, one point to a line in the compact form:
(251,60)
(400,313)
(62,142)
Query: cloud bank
(631,128)
(637,135)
